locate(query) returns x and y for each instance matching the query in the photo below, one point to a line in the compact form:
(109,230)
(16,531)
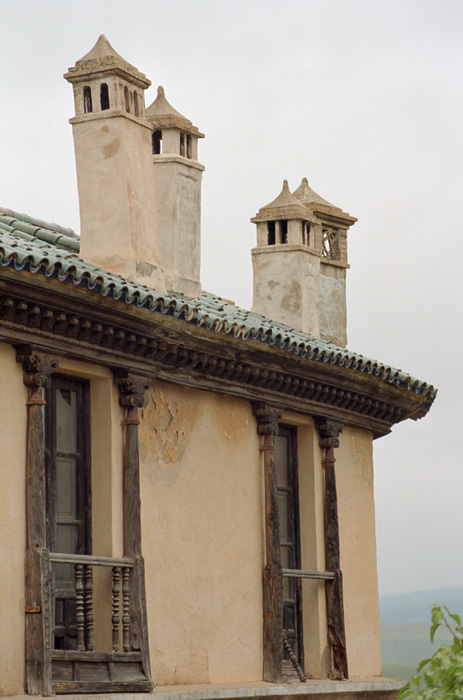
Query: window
(156,141)
(306,233)
(127,99)
(68,500)
(135,104)
(330,243)
(182,144)
(284,231)
(271,232)
(188,146)
(104,96)
(288,511)
(87,99)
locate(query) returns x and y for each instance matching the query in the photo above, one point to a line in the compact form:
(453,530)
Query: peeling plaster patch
(112,148)
(167,422)
(272,284)
(291,301)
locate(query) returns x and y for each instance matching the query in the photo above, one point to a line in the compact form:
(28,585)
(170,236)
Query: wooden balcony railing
(85,617)
(80,666)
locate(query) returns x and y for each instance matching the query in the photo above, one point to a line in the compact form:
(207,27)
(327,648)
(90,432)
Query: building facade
(187,486)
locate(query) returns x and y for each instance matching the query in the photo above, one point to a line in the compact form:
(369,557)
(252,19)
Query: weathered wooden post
(132,390)
(329,439)
(38,368)
(267,426)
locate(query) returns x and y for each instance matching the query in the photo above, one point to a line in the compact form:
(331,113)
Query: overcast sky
(362,97)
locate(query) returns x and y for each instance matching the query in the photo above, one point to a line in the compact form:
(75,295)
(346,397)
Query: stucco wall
(285,285)
(178,211)
(333,315)
(13,396)
(202,536)
(117,197)
(354,475)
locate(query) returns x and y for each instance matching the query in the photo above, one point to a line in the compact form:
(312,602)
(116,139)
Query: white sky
(363,97)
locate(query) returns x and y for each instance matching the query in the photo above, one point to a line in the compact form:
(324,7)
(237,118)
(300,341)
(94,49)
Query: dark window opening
(88,107)
(182,144)
(188,146)
(127,99)
(288,512)
(135,104)
(307,235)
(271,232)
(104,96)
(68,493)
(156,141)
(284,231)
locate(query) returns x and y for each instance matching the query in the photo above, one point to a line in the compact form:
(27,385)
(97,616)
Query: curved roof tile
(36,251)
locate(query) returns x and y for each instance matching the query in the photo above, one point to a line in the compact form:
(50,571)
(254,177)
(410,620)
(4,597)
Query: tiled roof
(47,249)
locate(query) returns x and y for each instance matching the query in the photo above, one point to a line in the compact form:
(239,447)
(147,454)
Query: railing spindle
(125,609)
(89,614)
(115,619)
(80,615)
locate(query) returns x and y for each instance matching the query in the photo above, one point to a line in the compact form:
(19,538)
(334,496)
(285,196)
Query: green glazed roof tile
(51,250)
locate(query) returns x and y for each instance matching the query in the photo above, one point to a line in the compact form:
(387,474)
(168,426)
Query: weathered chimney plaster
(300,263)
(177,176)
(112,141)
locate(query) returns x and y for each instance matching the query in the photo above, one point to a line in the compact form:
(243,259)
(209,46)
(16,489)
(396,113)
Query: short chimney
(300,263)
(112,142)
(177,176)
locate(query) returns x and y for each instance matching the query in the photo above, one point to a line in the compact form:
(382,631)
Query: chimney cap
(162,115)
(103,59)
(285,206)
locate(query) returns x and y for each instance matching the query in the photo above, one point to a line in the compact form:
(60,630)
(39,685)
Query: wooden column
(132,389)
(38,368)
(329,439)
(267,426)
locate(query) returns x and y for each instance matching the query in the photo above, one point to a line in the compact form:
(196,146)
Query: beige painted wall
(202,525)
(202,536)
(13,421)
(354,477)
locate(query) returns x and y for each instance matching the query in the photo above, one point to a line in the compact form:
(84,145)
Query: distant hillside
(415,608)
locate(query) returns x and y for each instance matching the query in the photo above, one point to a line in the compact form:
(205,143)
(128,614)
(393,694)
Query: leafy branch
(441,675)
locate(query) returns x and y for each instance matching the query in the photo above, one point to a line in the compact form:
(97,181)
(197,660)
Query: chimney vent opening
(104,96)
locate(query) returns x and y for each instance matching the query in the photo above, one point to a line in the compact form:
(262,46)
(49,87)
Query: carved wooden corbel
(329,432)
(267,425)
(38,368)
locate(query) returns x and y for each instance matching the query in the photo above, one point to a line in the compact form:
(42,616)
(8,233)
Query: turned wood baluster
(80,606)
(89,614)
(116,620)
(125,609)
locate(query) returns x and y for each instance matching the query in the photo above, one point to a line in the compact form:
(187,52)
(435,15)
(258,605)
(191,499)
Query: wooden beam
(37,370)
(329,439)
(267,426)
